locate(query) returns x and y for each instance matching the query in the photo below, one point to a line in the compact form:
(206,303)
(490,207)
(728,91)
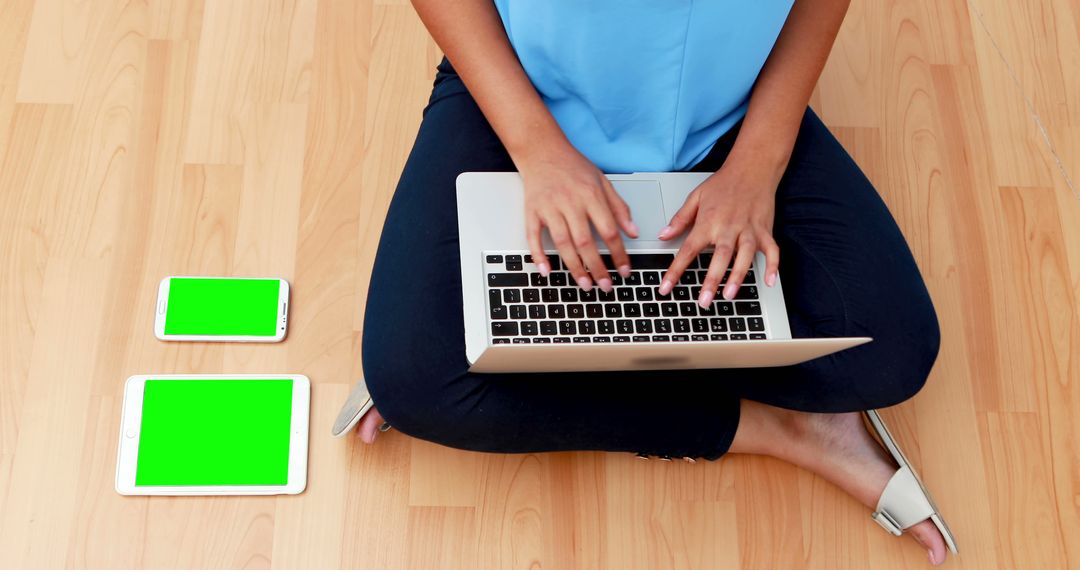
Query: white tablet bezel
(131,421)
(162,309)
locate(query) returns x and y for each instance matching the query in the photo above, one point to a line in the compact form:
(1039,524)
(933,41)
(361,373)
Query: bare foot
(368,428)
(839,448)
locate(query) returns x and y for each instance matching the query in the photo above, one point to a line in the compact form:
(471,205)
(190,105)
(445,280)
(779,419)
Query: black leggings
(846,269)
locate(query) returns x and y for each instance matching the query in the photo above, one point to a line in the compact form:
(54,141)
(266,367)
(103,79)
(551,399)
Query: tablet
(213,435)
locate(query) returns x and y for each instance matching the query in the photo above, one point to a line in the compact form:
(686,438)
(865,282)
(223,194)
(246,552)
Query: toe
(368,429)
(926,534)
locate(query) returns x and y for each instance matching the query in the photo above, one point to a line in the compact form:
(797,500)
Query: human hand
(568,195)
(732,211)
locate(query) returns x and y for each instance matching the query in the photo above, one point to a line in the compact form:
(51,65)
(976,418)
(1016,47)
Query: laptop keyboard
(524,307)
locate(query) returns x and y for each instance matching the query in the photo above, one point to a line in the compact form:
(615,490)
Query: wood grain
(236,137)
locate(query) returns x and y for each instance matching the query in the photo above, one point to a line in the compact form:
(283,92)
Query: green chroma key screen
(215,432)
(222,307)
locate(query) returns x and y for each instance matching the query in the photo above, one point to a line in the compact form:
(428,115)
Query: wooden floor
(141,138)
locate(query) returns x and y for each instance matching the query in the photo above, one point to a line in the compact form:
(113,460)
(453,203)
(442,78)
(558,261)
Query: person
(563,91)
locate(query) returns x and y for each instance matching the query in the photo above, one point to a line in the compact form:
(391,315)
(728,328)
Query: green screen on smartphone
(222,307)
(215,432)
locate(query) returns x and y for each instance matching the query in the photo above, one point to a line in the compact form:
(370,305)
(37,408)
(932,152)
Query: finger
(536,247)
(682,219)
(620,210)
(604,223)
(683,258)
(721,258)
(772,257)
(747,248)
(581,232)
(564,242)
(711,284)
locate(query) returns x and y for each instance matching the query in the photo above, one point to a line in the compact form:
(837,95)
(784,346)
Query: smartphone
(224,309)
(214,435)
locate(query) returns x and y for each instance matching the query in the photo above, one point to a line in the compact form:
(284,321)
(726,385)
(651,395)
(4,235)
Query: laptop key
(498,313)
(601,339)
(567,328)
(606,326)
(504,328)
(554,261)
(746,292)
(530,295)
(549,295)
(699,337)
(561,340)
(757,336)
(651,260)
(634,279)
(541,340)
(738,337)
(707,311)
(624,326)
(681,293)
(581,340)
(748,307)
(661,338)
(549,328)
(501,340)
(508,280)
(587,327)
(724,309)
(669,309)
(650,277)
(494,259)
(650,309)
(680,338)
(557,279)
(643,294)
(512,296)
(737,324)
(588,296)
(568,295)
(529,328)
(700,325)
(632,310)
(612,311)
(537,280)
(681,325)
(755,323)
(575,311)
(621,339)
(718,337)
(594,310)
(718,324)
(688,309)
(557,311)
(662,325)
(522,340)
(517,312)
(640,338)
(494,297)
(624,294)
(643,326)
(537,312)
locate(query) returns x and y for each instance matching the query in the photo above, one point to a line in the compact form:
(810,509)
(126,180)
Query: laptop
(517,320)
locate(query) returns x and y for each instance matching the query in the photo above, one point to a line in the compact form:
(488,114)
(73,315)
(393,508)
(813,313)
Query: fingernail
(584,283)
(634,229)
(770,279)
(665,287)
(706,298)
(624,270)
(729,292)
(605,284)
(544,268)
(930,553)
(664,232)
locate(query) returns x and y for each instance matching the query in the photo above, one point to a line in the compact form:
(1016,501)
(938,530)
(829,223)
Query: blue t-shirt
(644,85)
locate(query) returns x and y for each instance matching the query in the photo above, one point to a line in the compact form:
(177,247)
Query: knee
(904,360)
(412,389)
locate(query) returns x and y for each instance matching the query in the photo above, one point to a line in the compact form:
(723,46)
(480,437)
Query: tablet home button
(130,433)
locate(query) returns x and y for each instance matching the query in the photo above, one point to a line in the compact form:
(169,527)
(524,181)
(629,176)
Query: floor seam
(1027,102)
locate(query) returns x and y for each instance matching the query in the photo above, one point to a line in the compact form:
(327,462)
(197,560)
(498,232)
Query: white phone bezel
(127,454)
(162,308)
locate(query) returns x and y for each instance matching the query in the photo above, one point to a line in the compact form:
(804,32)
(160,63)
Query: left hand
(732,211)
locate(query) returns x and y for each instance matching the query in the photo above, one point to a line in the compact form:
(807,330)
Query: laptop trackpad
(646,206)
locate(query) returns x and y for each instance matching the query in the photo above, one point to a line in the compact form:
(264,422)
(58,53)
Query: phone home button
(130,433)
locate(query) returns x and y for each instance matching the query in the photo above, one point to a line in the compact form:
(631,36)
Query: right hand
(568,195)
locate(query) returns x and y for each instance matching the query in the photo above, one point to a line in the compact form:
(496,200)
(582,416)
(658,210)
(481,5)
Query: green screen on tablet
(225,307)
(215,432)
